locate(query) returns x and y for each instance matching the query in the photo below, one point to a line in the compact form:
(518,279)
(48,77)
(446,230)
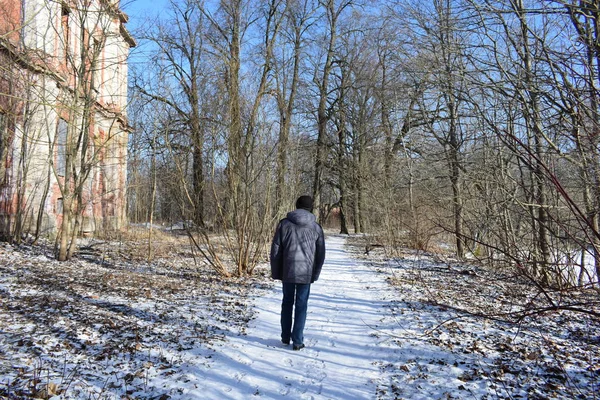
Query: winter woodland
(453,152)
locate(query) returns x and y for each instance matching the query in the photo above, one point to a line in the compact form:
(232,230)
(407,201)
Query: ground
(110,325)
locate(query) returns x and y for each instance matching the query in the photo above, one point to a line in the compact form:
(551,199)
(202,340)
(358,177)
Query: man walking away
(297,256)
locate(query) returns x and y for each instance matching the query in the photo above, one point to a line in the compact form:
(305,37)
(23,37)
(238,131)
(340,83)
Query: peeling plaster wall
(35,55)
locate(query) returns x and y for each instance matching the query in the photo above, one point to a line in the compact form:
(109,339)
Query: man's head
(305,202)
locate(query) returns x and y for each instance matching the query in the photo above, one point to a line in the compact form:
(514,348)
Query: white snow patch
(388,330)
(343,346)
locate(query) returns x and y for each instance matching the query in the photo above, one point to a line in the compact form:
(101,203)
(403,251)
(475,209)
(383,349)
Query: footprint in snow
(245,360)
(288,362)
(315,370)
(314,364)
(285,390)
(239,376)
(300,391)
(317,376)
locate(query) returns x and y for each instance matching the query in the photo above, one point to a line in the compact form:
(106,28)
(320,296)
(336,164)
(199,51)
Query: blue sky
(139,10)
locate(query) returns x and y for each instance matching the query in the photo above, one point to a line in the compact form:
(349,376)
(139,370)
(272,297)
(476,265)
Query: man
(297,256)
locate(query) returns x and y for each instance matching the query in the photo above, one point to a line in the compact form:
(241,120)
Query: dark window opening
(61,147)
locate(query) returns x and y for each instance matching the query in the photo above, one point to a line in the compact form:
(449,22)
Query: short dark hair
(305,202)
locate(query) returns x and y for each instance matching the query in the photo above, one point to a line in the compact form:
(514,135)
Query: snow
(410,327)
(577,269)
(343,348)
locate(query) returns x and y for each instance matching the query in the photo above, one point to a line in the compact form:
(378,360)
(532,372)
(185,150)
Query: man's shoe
(298,346)
(285,341)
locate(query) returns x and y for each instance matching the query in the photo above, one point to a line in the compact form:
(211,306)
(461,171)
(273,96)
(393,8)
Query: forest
(462,126)
(452,149)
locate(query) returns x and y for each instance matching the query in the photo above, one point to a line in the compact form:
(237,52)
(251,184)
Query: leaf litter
(470,332)
(107,325)
(90,328)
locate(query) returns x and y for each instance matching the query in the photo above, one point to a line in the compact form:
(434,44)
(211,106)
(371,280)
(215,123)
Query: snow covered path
(402,328)
(342,357)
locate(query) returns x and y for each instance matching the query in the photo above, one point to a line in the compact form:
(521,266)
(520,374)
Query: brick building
(63,125)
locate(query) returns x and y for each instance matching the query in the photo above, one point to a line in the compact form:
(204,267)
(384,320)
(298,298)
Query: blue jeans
(294,294)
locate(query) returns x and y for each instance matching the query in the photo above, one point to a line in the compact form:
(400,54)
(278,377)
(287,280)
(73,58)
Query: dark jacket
(298,248)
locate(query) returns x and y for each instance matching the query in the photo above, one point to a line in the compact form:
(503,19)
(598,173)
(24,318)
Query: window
(96,64)
(3,144)
(3,130)
(61,147)
(32,24)
(65,31)
(26,21)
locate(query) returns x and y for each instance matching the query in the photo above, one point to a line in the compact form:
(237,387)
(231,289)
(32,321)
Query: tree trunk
(152,196)
(286,108)
(457,200)
(532,116)
(197,137)
(322,117)
(65,231)
(342,169)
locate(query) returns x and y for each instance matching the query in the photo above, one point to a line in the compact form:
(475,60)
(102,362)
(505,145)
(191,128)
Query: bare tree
(441,103)
(181,59)
(332,13)
(299,17)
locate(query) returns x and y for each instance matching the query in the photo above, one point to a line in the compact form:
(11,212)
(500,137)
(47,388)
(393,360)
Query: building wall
(63,68)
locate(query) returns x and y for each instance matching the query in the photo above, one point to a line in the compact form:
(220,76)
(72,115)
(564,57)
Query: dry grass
(62,323)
